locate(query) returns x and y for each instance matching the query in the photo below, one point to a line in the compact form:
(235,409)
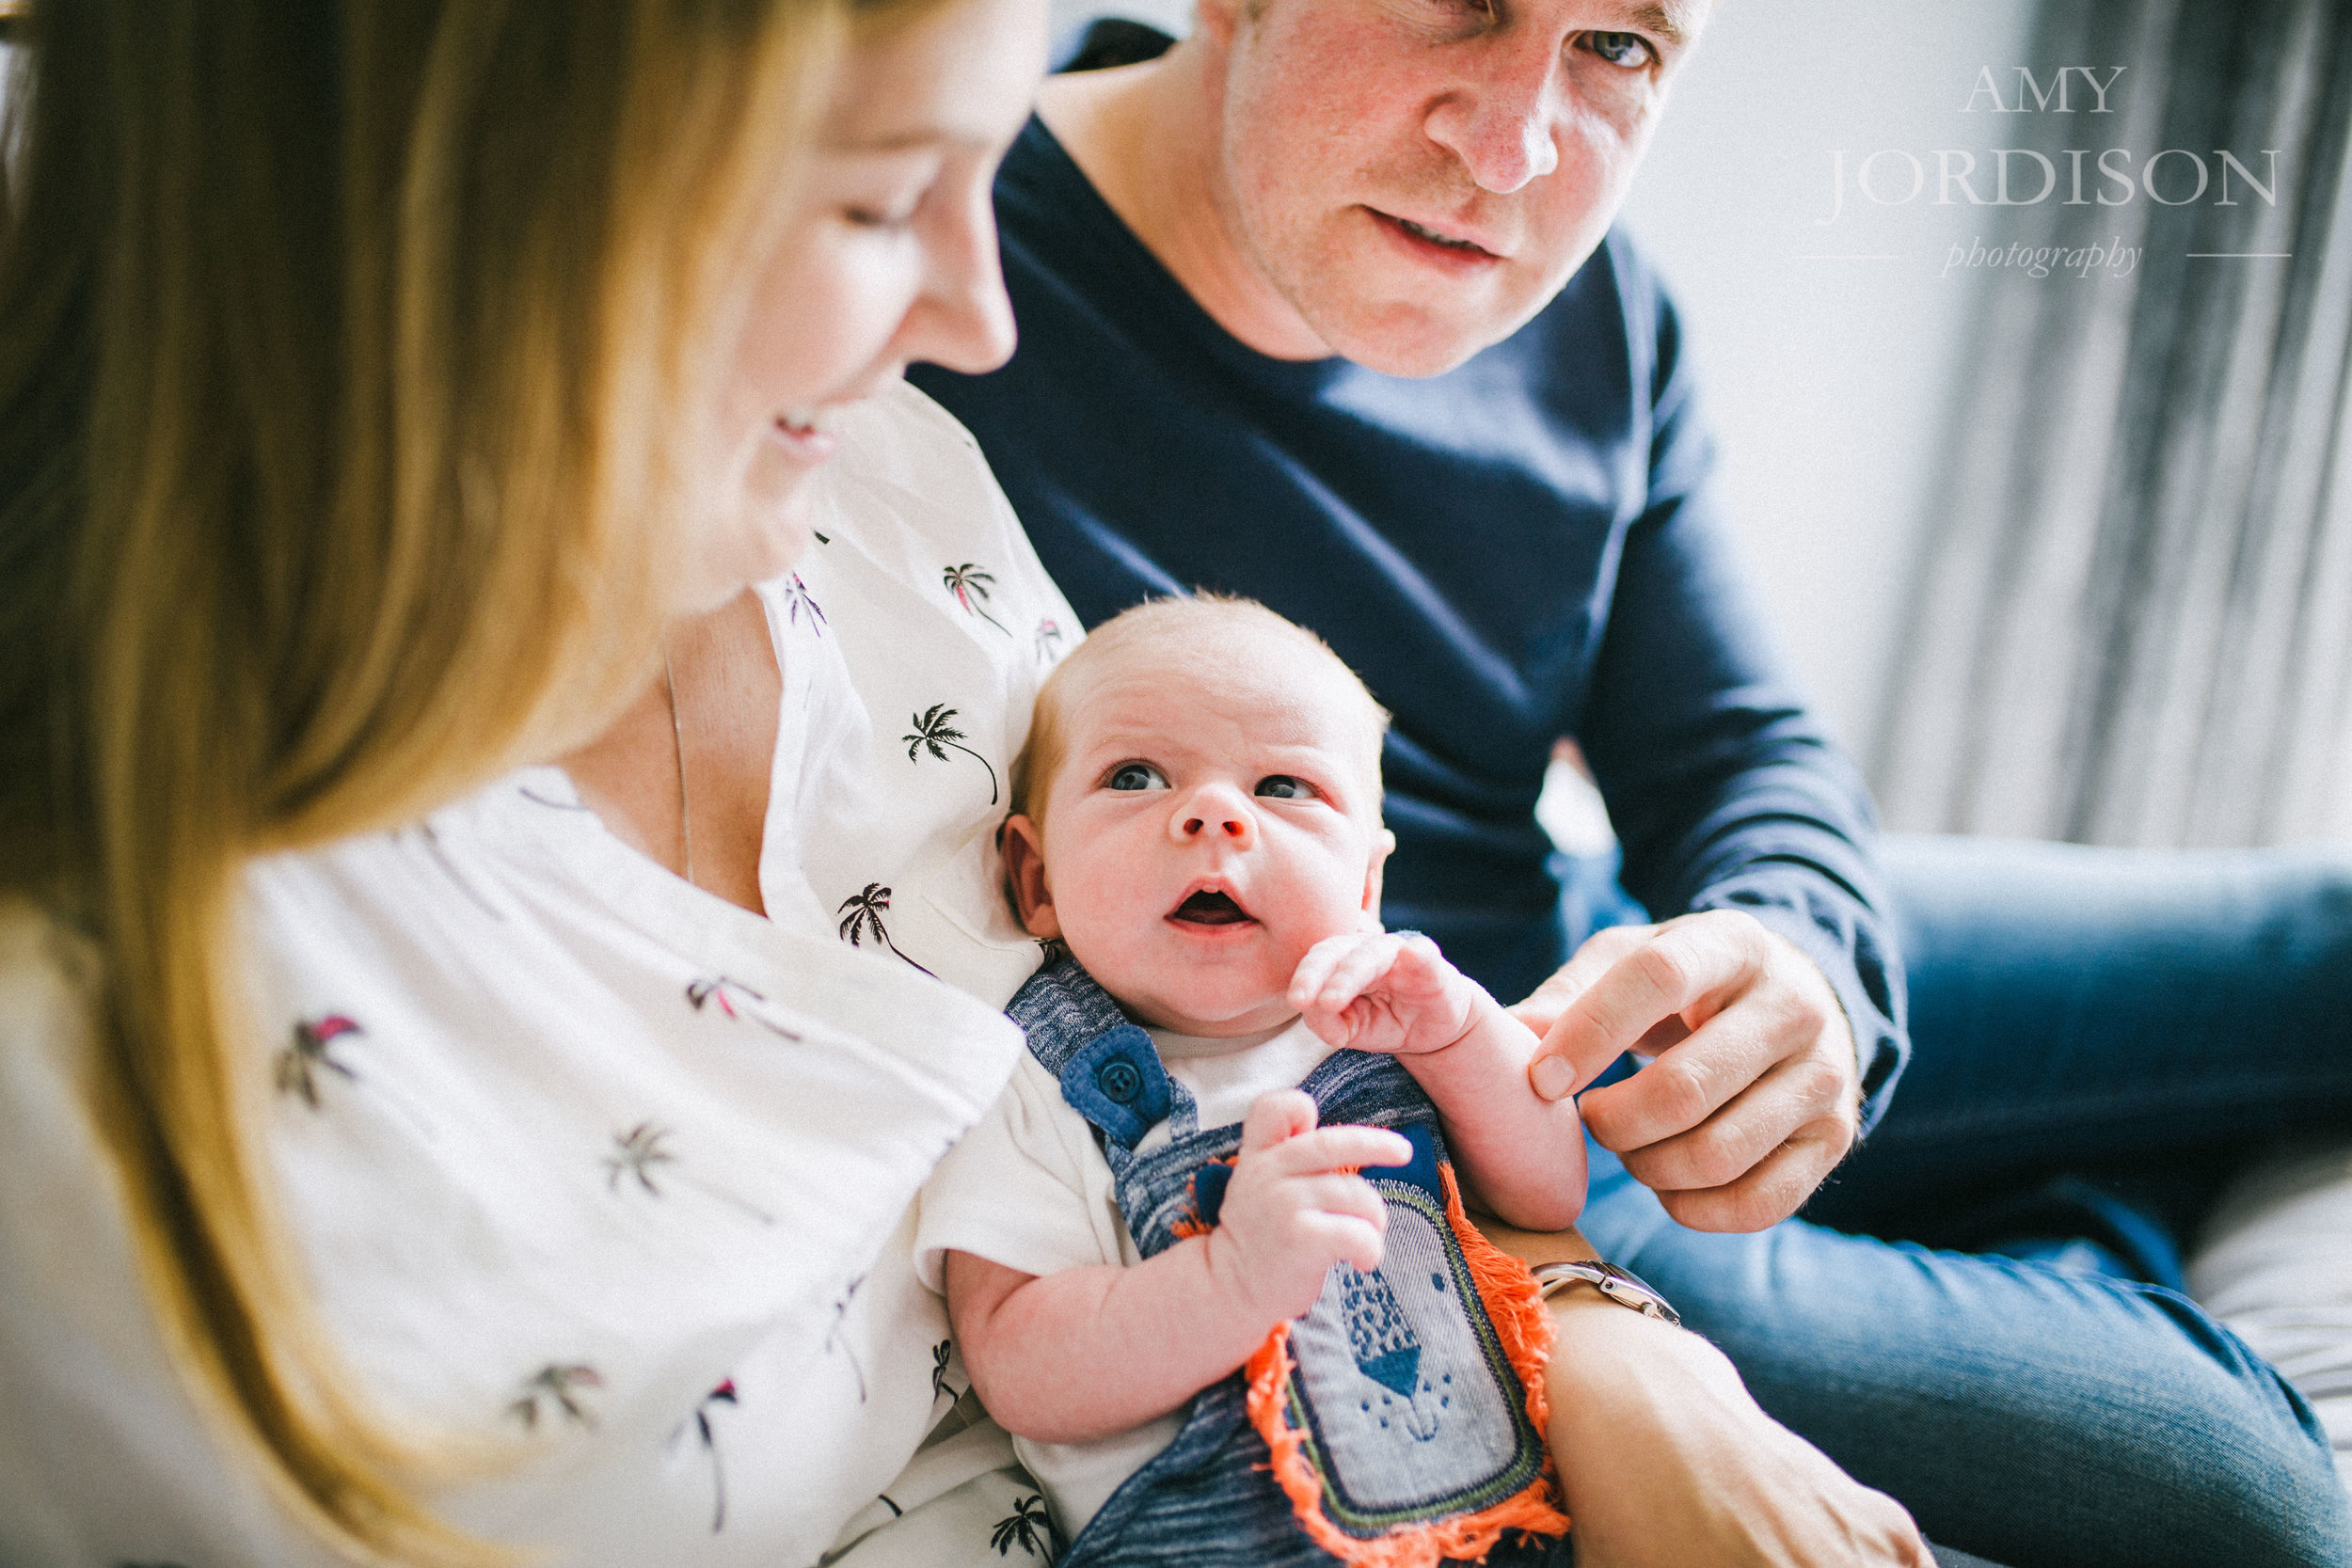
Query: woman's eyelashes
(1135,775)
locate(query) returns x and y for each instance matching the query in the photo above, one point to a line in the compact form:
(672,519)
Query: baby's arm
(1522,1155)
(1072,1356)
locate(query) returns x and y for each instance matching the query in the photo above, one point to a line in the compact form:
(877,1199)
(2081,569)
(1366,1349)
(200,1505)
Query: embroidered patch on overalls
(1402,1416)
(1405,1410)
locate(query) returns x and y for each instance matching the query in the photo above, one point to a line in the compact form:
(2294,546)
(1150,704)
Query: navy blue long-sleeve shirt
(1520,550)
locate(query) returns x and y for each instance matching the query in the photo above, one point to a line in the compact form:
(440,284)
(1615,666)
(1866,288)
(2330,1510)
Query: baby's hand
(1376,992)
(1294,1206)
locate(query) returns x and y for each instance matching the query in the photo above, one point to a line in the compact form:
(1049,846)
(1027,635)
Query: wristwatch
(1622,1286)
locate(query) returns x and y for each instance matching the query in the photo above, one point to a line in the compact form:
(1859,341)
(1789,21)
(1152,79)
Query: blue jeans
(2098,1037)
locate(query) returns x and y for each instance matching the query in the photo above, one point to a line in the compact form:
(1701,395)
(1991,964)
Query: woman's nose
(964,319)
(1218,812)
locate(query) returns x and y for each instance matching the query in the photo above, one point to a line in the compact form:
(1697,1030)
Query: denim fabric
(1411,1402)
(2126,1023)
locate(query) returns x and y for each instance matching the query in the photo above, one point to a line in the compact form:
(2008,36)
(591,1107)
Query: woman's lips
(810,434)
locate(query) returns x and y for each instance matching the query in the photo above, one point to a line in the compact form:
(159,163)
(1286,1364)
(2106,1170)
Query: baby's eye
(1136,775)
(1281,786)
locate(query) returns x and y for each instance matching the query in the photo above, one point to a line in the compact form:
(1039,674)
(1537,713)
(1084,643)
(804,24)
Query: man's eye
(1136,775)
(1281,786)
(1630,50)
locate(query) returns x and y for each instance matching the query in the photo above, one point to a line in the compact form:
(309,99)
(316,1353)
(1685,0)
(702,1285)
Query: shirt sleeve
(1027,1188)
(1726,790)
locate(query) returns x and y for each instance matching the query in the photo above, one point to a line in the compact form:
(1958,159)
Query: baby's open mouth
(1209,907)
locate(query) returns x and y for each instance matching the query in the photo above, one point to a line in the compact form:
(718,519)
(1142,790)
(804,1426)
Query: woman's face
(888,257)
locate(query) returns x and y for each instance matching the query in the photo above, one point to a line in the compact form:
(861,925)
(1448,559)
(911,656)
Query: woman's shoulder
(49,979)
(103,1457)
(908,467)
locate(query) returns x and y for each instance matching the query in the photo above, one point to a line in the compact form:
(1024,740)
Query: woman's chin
(759,543)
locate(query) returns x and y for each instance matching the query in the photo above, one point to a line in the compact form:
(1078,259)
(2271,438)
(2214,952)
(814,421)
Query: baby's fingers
(1335,1148)
(1275,1118)
(1358,971)
(1344,1238)
(1319,973)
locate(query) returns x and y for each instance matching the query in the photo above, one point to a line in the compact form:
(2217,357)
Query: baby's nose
(1214,813)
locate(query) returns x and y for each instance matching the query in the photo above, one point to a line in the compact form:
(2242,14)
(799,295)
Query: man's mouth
(1427,235)
(1209,907)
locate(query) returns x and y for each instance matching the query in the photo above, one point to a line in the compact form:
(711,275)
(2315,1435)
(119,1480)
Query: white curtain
(2133,619)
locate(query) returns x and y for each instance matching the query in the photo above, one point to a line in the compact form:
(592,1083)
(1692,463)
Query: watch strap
(1622,1286)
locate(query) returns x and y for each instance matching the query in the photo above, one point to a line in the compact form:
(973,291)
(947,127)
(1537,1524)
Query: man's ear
(1382,847)
(1025,878)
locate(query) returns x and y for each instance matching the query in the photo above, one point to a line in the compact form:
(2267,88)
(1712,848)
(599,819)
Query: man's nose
(1215,812)
(1500,119)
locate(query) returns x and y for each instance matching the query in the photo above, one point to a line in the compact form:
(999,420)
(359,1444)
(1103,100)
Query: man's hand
(1752,1095)
(1376,991)
(1294,1206)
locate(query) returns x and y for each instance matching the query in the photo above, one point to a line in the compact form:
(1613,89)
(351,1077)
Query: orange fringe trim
(1524,1328)
(1190,1224)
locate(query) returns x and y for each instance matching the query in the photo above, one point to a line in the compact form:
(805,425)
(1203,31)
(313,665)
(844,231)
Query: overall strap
(1108,1069)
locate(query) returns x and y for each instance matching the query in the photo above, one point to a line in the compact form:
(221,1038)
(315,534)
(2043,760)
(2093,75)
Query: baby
(1197,818)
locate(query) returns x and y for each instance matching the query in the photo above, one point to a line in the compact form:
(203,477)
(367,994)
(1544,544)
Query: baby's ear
(1025,876)
(1383,845)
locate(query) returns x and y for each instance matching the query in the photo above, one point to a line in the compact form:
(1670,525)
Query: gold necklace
(677,738)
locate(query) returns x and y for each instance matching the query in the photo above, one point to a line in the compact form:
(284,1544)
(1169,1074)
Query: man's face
(1418,178)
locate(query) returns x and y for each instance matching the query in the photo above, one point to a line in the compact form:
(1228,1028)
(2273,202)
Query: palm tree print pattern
(723,1394)
(835,1336)
(636,1153)
(559,1384)
(720,990)
(796,595)
(939,1353)
(969,584)
(1048,639)
(312,1052)
(932,731)
(1029,1528)
(861,913)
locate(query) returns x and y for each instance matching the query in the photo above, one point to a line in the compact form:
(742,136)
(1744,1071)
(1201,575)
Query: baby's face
(1209,823)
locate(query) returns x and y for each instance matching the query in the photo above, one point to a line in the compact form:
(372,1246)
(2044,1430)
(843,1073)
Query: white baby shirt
(1028,1188)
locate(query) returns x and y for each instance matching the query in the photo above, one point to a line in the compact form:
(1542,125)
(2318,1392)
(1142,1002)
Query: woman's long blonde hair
(352,360)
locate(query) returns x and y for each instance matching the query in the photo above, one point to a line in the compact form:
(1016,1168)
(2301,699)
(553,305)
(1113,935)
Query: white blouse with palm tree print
(584,1158)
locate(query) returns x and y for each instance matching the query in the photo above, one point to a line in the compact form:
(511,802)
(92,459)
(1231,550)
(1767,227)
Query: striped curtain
(2132,622)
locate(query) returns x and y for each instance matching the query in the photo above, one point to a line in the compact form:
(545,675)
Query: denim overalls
(1403,1418)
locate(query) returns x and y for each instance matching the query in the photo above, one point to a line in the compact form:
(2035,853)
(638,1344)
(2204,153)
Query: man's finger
(1774,1189)
(1601,950)
(1684,969)
(1688,1084)
(1794,1093)
(1275,1118)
